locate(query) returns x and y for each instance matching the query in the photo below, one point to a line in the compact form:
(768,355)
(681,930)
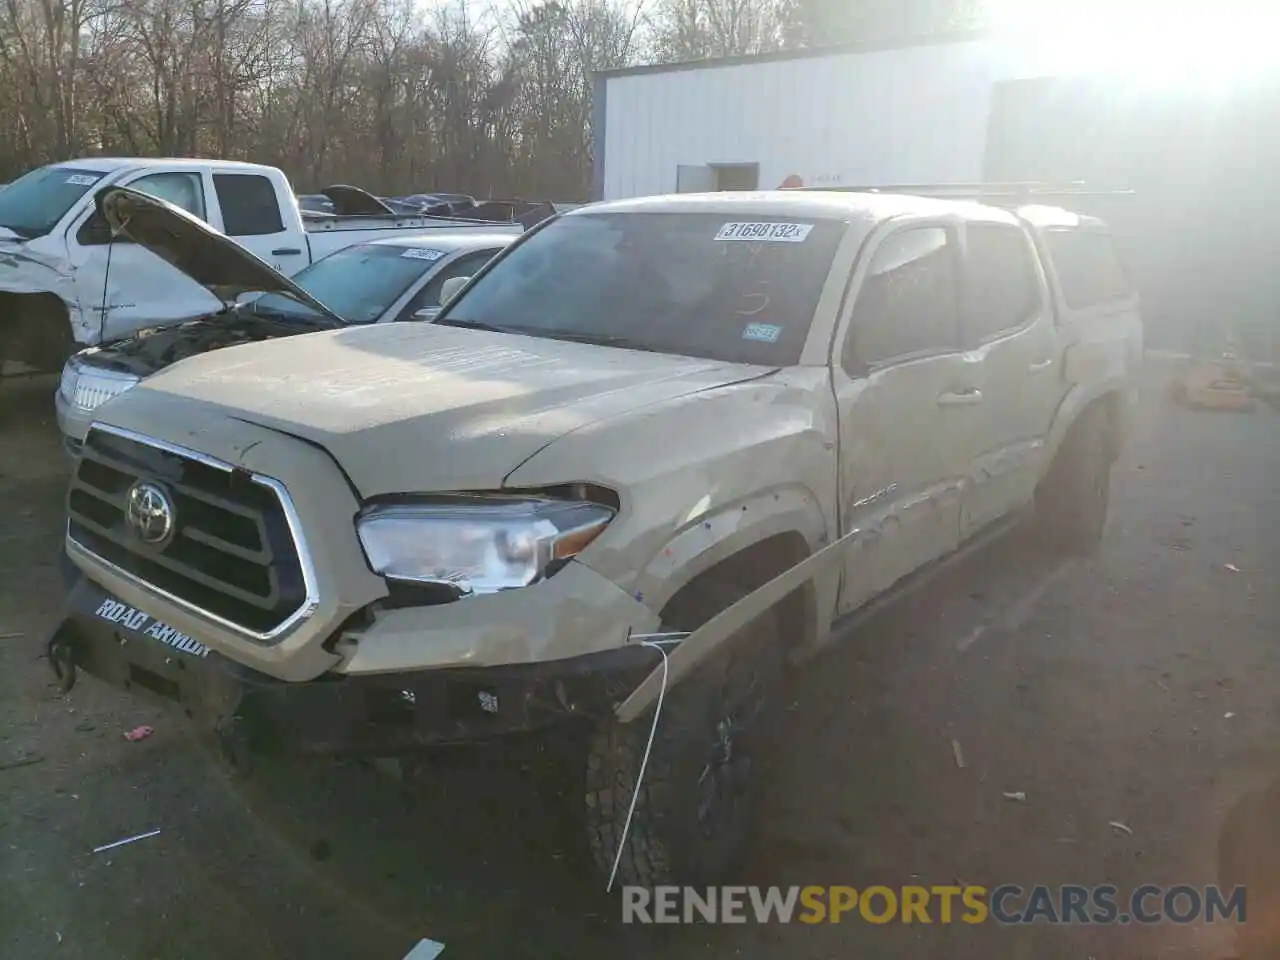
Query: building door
(714,177)
(697,178)
(736,176)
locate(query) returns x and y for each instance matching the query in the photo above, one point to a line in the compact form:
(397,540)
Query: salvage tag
(82,179)
(417,253)
(768,232)
(114,611)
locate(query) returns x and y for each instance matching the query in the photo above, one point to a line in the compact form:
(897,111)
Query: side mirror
(449,289)
(425,313)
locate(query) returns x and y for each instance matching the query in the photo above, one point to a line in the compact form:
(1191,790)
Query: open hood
(349,201)
(211,259)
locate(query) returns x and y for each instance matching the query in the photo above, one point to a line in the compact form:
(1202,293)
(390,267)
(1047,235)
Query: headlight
(87,388)
(67,385)
(478,545)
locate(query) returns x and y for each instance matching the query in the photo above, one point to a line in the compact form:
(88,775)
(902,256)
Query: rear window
(249,204)
(1088,267)
(732,287)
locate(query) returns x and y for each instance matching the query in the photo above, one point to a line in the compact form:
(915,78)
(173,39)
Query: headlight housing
(70,373)
(478,544)
(87,388)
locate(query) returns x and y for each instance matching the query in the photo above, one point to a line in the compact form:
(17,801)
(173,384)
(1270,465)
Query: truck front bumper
(384,714)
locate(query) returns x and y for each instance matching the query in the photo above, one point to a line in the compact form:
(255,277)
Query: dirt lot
(1140,687)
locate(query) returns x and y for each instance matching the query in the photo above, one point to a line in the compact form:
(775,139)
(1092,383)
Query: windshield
(33,204)
(358,283)
(694,284)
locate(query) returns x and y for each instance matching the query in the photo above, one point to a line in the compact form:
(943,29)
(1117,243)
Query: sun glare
(1207,43)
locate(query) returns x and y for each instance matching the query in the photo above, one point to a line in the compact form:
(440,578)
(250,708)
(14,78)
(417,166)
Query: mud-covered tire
(1073,499)
(695,810)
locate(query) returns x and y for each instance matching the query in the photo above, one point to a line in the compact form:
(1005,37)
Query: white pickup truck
(64,285)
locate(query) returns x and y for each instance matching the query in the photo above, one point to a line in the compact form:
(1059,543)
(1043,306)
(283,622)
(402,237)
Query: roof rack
(1013,192)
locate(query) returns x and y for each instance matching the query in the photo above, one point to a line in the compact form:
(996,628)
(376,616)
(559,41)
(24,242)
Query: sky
(1158,40)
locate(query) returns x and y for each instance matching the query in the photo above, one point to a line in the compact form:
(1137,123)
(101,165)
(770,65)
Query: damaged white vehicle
(66,283)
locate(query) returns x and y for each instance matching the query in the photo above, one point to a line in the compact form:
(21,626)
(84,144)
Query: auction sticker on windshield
(417,253)
(767,232)
(762,332)
(82,179)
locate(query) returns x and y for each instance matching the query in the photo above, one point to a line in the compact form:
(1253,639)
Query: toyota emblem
(149,513)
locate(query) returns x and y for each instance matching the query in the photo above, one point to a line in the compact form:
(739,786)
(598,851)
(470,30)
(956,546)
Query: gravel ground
(1138,687)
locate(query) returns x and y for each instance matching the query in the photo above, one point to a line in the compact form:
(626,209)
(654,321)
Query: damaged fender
(711,636)
(28,269)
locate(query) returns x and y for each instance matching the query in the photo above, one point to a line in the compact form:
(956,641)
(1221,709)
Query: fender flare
(703,642)
(709,539)
(1078,398)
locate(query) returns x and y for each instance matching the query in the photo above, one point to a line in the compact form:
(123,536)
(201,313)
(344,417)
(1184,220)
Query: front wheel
(695,809)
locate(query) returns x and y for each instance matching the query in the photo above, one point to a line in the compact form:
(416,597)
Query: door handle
(286,252)
(960,398)
(1040,365)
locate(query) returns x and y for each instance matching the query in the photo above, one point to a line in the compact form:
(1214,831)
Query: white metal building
(861,115)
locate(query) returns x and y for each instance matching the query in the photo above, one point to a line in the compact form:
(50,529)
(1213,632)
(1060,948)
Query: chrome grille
(232,554)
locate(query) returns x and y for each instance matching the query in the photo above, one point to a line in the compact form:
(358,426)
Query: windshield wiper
(598,339)
(545,333)
(478,325)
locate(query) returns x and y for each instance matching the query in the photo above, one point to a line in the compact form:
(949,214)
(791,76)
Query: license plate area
(141,626)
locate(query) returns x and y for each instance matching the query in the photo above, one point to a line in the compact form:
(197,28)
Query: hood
(414,408)
(211,259)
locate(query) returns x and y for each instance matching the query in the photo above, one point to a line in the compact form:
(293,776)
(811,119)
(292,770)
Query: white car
(398,278)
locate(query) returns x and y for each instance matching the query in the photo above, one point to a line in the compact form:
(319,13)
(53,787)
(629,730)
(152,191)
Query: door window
(249,205)
(181,189)
(1001,283)
(465,266)
(907,304)
(184,190)
(1088,267)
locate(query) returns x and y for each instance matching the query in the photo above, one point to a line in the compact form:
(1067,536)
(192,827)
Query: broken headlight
(480,544)
(86,387)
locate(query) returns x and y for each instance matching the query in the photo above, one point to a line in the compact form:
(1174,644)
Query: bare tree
(697,29)
(377,92)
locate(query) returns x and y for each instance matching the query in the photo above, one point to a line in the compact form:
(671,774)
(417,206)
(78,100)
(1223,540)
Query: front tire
(1073,499)
(695,810)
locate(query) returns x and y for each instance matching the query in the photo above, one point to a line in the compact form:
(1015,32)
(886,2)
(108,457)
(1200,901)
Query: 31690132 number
(765,232)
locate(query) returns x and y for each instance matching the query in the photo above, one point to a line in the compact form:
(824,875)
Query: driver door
(123,287)
(907,398)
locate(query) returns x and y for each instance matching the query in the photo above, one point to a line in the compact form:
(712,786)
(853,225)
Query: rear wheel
(1073,499)
(695,809)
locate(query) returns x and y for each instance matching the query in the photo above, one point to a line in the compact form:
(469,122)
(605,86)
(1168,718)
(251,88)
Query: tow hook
(62,658)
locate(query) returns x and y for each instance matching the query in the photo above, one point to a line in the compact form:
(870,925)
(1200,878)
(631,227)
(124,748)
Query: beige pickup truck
(649,456)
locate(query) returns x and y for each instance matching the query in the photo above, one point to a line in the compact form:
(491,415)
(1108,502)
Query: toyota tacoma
(651,455)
